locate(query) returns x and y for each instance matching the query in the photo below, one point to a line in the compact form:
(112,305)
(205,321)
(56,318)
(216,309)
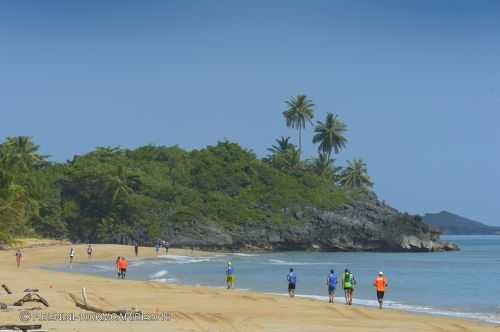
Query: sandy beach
(190,308)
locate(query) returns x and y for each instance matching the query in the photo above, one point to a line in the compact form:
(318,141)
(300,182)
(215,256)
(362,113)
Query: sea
(463,283)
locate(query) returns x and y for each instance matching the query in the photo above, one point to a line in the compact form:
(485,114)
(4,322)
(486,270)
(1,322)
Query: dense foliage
(118,195)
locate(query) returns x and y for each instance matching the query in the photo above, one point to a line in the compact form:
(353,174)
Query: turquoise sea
(464,284)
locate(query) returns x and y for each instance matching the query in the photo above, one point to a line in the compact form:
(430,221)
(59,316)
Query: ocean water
(461,284)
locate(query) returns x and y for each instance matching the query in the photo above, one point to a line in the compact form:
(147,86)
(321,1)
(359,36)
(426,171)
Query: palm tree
(330,135)
(22,152)
(300,112)
(323,166)
(283,145)
(355,175)
(284,155)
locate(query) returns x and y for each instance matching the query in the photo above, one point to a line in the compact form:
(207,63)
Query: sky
(417,82)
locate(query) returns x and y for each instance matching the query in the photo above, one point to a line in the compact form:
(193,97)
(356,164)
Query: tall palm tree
(330,135)
(300,111)
(355,175)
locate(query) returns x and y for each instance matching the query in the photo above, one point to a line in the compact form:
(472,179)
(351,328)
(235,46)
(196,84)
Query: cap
(381,273)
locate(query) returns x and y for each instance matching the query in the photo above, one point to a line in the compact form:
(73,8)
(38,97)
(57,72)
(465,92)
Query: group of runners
(348,283)
(162,244)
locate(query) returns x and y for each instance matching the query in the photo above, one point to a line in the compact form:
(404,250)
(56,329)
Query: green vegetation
(118,195)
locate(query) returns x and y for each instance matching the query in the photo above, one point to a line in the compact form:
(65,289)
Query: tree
(283,145)
(284,155)
(355,175)
(330,135)
(324,167)
(300,112)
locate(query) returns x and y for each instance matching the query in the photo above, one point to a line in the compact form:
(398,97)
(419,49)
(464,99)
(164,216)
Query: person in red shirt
(122,265)
(380,284)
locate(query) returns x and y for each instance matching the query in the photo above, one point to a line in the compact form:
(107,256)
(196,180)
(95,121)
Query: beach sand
(190,308)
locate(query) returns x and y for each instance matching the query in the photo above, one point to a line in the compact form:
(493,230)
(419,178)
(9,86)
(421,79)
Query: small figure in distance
(117,265)
(167,246)
(136,248)
(229,276)
(71,256)
(19,257)
(157,248)
(90,251)
(292,281)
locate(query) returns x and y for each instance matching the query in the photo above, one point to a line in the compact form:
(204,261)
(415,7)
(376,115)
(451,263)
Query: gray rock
(365,225)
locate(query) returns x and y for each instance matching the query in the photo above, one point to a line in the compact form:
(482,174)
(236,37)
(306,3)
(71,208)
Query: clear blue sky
(418,83)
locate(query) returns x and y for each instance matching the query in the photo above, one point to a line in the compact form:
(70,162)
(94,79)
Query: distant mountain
(449,223)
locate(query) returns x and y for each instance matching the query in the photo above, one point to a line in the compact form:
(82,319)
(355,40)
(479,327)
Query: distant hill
(450,223)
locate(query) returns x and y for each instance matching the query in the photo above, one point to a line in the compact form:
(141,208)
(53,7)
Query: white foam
(163,280)
(244,255)
(159,274)
(289,263)
(187,259)
(489,318)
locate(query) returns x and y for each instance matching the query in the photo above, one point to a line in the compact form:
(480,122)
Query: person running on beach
(292,281)
(229,276)
(71,255)
(123,264)
(331,282)
(117,264)
(136,248)
(157,248)
(380,284)
(167,246)
(348,283)
(90,250)
(19,257)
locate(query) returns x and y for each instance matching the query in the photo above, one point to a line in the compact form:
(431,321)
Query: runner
(229,276)
(331,282)
(136,248)
(292,281)
(19,257)
(380,284)
(348,283)
(90,250)
(123,264)
(167,246)
(117,265)
(157,248)
(71,255)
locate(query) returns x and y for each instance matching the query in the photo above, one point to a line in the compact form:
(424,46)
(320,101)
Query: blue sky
(417,82)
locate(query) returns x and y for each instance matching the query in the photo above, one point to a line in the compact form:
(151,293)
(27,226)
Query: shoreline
(195,308)
(425,310)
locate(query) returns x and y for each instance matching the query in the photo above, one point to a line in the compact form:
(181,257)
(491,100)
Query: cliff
(364,225)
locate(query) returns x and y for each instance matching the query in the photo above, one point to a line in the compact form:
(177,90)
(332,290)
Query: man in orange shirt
(123,264)
(380,284)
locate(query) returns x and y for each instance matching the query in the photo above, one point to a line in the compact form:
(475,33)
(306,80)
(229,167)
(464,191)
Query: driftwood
(7,289)
(85,306)
(20,327)
(31,290)
(31,297)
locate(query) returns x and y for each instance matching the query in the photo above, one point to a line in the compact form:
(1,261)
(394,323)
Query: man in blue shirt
(292,280)
(331,282)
